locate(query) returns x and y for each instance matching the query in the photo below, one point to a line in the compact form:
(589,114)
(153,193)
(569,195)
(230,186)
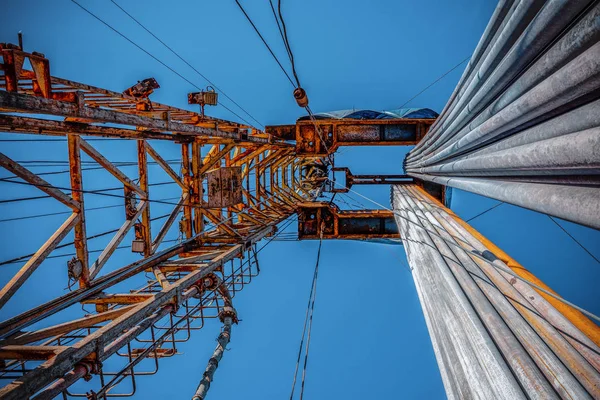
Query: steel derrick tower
(522,127)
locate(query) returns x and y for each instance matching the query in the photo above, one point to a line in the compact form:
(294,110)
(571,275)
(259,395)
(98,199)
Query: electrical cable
(507,270)
(307,328)
(100,192)
(291,57)
(100,250)
(280,30)
(264,41)
(24,199)
(286,42)
(166,215)
(151,55)
(55,140)
(575,240)
(83,162)
(21,258)
(434,82)
(97,168)
(54,213)
(69,212)
(481,213)
(185,61)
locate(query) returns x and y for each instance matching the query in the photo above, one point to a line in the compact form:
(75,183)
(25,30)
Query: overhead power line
(24,199)
(151,55)
(69,212)
(575,240)
(100,250)
(264,42)
(65,171)
(186,62)
(483,212)
(286,40)
(26,256)
(98,168)
(434,82)
(279,28)
(307,328)
(55,140)
(100,192)
(283,32)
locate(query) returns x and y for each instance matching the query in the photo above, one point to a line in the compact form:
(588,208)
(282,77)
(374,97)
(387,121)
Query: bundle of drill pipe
(494,334)
(523,124)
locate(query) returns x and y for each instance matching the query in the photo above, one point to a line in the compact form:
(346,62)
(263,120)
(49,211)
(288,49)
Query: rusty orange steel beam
(220,225)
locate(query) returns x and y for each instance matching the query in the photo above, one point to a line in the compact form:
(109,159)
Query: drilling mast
(522,126)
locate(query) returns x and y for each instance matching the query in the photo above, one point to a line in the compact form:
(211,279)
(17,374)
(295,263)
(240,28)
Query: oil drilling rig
(522,126)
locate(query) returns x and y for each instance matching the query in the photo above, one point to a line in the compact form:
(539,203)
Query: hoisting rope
(299,93)
(264,41)
(307,328)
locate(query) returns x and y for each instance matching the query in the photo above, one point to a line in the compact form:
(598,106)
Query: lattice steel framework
(237,184)
(521,127)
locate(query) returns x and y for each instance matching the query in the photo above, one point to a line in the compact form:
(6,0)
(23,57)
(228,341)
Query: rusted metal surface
(315,217)
(145,231)
(143,89)
(254,181)
(343,132)
(38,79)
(80,237)
(224,187)
(351,179)
(173,304)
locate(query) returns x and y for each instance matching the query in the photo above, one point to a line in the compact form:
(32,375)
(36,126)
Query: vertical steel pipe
(494,335)
(522,125)
(213,362)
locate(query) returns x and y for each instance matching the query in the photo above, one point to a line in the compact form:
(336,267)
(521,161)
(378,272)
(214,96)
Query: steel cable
(307,328)
(507,270)
(186,62)
(264,42)
(151,55)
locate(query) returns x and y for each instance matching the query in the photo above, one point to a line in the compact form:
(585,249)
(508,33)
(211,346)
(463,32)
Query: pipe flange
(226,312)
(210,282)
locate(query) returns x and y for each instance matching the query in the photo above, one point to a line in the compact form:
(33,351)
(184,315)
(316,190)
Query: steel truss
(237,185)
(255,181)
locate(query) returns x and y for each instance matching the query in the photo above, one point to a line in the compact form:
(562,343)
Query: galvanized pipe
(529,320)
(547,320)
(579,78)
(492,310)
(213,362)
(502,17)
(546,354)
(549,22)
(577,153)
(527,115)
(579,204)
(461,341)
(580,119)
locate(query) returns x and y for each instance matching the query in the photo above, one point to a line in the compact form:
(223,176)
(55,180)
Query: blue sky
(369,337)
